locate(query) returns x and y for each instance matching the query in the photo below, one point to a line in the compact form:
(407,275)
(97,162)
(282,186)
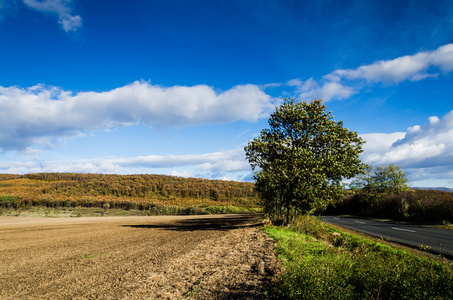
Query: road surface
(440,241)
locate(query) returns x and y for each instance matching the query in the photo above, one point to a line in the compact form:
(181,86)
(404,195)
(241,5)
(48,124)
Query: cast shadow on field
(247,291)
(225,223)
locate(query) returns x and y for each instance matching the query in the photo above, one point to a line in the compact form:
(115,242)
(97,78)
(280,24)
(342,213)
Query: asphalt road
(439,240)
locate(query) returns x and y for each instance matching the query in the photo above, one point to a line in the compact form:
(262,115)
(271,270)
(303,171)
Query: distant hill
(119,191)
(444,189)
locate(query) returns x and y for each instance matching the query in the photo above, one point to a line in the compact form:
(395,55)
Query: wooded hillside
(122,191)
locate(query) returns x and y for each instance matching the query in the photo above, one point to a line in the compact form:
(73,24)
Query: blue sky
(180,87)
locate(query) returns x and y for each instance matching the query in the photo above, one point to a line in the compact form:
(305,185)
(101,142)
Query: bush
(10,202)
(413,206)
(224,209)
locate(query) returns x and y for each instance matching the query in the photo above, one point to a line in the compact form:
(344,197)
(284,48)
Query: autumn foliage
(121,191)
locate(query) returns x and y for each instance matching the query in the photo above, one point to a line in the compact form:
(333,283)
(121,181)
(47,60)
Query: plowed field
(171,257)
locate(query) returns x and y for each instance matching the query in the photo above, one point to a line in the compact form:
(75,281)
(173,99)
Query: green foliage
(302,159)
(230,209)
(390,179)
(425,206)
(324,263)
(8,176)
(10,202)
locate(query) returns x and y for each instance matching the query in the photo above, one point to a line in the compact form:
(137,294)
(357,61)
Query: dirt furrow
(202,257)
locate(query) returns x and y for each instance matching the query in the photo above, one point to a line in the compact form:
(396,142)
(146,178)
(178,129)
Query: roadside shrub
(412,206)
(10,202)
(224,209)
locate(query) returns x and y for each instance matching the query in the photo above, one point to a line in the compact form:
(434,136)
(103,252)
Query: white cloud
(409,154)
(42,115)
(297,82)
(390,71)
(310,89)
(334,90)
(426,151)
(211,165)
(409,67)
(185,173)
(70,23)
(62,8)
(433,120)
(271,85)
(443,58)
(223,161)
(380,142)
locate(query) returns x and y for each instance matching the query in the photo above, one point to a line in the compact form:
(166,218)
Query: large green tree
(302,159)
(391,179)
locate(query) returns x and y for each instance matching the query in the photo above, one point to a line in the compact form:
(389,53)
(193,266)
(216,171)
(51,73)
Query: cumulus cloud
(390,71)
(424,150)
(41,114)
(422,65)
(220,164)
(377,143)
(223,161)
(310,89)
(62,8)
(409,67)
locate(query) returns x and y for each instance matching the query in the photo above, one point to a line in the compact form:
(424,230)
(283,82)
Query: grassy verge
(322,262)
(230,209)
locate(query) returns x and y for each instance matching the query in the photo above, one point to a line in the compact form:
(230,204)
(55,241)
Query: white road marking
(360,222)
(403,229)
(337,218)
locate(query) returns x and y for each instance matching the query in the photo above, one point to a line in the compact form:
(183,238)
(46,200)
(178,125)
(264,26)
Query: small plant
(424,248)
(193,290)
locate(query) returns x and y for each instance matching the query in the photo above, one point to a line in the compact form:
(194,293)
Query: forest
(121,191)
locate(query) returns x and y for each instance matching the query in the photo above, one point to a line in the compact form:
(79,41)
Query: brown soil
(197,257)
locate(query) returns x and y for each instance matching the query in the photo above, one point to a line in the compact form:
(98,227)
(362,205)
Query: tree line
(122,191)
(142,186)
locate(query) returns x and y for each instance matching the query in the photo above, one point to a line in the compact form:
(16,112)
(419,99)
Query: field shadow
(219,223)
(247,291)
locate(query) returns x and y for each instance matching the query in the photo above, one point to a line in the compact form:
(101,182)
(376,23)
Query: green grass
(230,209)
(322,262)
(193,290)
